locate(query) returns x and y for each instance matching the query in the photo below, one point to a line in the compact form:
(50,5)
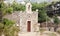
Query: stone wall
(24,17)
(14,16)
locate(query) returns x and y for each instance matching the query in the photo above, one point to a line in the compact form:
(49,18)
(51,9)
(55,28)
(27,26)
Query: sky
(39,1)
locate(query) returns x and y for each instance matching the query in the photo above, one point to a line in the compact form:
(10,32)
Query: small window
(29,7)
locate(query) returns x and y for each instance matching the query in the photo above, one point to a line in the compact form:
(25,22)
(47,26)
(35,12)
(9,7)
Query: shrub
(58,31)
(42,30)
(51,34)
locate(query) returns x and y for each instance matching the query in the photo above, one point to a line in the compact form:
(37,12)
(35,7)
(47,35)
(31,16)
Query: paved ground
(51,33)
(36,34)
(30,34)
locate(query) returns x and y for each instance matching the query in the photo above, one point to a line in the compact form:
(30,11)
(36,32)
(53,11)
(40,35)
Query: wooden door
(29,26)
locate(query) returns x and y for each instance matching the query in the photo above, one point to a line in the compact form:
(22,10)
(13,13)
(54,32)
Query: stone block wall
(24,17)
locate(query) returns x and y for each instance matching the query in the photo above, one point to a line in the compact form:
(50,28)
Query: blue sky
(39,1)
(33,0)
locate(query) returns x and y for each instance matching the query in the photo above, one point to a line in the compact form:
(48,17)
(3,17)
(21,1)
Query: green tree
(8,10)
(42,15)
(18,7)
(4,8)
(9,28)
(56,22)
(1,28)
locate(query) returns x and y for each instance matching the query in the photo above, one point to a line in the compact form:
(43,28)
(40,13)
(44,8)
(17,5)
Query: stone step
(30,34)
(37,33)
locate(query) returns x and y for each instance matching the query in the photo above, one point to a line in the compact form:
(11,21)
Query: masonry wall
(24,17)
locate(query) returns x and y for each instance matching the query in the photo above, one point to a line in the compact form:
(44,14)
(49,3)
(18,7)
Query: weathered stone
(26,16)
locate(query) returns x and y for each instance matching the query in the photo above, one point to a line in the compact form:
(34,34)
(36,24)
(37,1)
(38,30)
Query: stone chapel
(29,19)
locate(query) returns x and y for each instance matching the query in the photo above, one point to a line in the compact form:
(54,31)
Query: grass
(42,30)
(51,34)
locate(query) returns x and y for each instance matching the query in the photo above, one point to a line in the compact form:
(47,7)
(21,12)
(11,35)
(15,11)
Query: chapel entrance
(28,26)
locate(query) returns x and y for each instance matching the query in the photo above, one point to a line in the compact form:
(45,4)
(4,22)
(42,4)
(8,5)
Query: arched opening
(29,26)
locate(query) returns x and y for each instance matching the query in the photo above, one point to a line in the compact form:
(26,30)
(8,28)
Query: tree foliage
(4,8)
(9,28)
(56,20)
(18,7)
(42,15)
(8,22)
(9,8)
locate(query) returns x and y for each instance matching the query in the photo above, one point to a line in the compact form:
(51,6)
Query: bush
(51,34)
(1,25)
(58,31)
(9,10)
(18,7)
(8,22)
(42,30)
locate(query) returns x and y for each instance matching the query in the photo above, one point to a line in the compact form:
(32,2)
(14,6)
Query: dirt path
(29,34)
(37,33)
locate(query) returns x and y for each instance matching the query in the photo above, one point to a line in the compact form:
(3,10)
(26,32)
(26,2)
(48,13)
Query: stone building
(29,19)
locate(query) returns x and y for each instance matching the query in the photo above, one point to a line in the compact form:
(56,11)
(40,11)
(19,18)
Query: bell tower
(28,7)
(28,19)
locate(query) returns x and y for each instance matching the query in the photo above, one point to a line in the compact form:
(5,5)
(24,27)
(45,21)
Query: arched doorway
(29,26)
